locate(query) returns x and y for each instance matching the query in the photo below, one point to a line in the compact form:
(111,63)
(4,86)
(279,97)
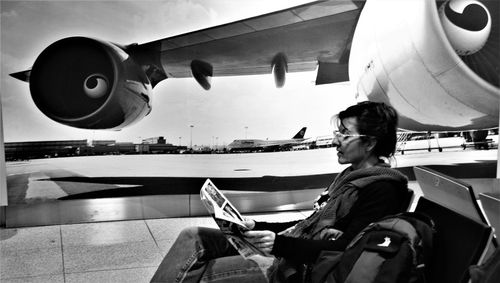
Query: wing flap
(307,34)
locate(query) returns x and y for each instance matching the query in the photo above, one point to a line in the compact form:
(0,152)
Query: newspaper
(228,219)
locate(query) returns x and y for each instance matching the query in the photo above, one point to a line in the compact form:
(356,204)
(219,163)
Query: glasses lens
(338,135)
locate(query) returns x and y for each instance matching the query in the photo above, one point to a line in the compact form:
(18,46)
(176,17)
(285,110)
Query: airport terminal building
(42,149)
(64,148)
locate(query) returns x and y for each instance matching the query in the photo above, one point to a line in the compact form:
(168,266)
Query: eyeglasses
(341,136)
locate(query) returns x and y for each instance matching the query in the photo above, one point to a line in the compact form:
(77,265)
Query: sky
(235,107)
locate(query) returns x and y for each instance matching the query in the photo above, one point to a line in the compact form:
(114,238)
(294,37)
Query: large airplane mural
(436,62)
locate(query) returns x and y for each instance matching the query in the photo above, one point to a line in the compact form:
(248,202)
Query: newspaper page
(228,219)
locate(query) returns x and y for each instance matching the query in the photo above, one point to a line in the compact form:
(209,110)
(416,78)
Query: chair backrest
(459,242)
(491,206)
(449,192)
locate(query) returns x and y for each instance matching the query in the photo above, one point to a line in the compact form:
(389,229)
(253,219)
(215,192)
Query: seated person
(363,193)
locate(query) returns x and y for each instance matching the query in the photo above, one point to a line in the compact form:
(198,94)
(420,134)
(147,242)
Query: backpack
(489,271)
(394,249)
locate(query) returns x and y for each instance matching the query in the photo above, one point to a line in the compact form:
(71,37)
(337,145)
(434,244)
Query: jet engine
(90,84)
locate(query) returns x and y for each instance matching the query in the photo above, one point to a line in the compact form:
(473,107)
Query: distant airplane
(252,145)
(436,62)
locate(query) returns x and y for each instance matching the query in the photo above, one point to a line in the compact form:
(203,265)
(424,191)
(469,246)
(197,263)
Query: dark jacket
(375,201)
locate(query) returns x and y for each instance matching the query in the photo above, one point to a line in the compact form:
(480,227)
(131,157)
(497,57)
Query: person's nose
(335,141)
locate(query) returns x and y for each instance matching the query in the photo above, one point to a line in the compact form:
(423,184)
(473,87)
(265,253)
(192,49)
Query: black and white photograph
(115,113)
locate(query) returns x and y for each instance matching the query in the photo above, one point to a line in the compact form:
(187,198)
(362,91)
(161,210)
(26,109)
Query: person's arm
(263,234)
(374,202)
(301,250)
(275,227)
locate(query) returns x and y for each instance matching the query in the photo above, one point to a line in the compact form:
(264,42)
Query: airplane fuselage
(256,144)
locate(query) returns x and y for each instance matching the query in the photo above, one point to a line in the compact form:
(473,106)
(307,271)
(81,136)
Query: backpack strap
(366,268)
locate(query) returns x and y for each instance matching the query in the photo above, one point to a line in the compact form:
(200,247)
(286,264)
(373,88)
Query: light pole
(216,142)
(246,128)
(191,147)
(180,138)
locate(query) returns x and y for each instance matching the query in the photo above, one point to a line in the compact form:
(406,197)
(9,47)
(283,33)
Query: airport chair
(458,243)
(491,206)
(449,192)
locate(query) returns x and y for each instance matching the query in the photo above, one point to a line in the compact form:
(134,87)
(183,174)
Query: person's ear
(370,144)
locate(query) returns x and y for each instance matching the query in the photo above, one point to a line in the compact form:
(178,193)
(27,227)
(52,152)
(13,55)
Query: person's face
(350,146)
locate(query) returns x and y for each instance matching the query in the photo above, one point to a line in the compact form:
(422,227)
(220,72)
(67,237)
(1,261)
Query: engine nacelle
(90,84)
(406,60)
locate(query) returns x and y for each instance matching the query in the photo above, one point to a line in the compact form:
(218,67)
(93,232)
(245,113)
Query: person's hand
(263,240)
(330,234)
(250,223)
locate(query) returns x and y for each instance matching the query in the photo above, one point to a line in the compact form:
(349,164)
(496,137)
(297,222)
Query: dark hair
(376,120)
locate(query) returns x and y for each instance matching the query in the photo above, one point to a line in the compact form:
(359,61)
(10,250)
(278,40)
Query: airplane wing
(317,33)
(111,87)
(390,58)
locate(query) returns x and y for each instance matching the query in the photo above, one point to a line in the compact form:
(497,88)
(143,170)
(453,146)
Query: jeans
(204,255)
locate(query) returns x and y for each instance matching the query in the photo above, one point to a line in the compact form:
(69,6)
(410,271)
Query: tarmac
(130,251)
(91,177)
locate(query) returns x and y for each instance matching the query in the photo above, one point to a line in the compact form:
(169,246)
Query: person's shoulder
(387,186)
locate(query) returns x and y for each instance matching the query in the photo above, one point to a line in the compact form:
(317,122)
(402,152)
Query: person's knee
(202,236)
(189,233)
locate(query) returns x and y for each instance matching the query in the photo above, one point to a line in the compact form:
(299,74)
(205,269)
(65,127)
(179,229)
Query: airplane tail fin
(300,134)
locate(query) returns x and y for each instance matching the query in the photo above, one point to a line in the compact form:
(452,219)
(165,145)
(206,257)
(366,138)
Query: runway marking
(43,189)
